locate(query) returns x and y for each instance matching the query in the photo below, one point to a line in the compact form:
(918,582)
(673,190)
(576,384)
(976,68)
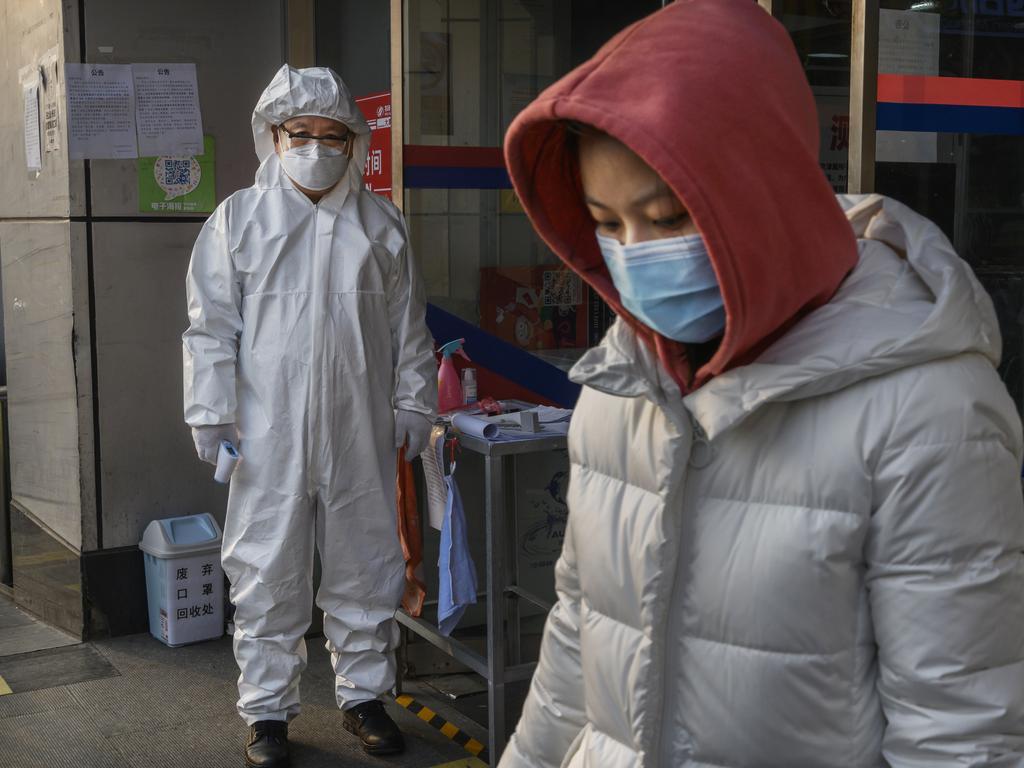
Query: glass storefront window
(951,138)
(470,67)
(821,34)
(467,75)
(973,196)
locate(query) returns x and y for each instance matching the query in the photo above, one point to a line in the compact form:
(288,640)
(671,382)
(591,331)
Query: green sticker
(178,184)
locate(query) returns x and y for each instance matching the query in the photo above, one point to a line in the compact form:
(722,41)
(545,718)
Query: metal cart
(503,662)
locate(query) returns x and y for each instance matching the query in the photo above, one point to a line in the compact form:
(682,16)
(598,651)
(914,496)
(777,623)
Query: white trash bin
(184,579)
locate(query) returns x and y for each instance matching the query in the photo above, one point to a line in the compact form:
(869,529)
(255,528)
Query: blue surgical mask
(669,285)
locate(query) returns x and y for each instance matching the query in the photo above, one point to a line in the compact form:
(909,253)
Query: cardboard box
(543,307)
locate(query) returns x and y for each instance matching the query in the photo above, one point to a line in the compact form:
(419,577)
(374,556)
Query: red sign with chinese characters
(377,110)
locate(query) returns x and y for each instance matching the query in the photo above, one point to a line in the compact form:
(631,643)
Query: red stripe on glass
(953,91)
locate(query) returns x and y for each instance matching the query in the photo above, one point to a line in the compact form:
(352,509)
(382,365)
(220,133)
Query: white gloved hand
(208,439)
(413,431)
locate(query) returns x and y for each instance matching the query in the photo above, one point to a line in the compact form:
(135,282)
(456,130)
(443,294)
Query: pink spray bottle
(449,388)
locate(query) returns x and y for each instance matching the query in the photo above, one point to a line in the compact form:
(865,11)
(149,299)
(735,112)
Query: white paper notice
(433,472)
(51,120)
(51,102)
(167,110)
(908,44)
(33,153)
(101,111)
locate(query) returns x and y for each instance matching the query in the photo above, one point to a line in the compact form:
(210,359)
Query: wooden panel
(863,96)
(397,105)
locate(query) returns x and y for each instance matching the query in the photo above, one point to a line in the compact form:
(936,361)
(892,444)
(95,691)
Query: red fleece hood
(711,95)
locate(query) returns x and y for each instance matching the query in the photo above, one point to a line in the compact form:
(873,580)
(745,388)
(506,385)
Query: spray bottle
(449,388)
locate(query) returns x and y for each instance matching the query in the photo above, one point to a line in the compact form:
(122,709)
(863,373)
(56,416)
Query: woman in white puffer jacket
(796,532)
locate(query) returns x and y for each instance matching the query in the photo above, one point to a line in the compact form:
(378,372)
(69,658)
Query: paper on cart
(433,471)
(548,415)
(482,428)
(545,415)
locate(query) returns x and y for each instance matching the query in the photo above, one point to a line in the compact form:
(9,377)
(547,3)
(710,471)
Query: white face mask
(314,166)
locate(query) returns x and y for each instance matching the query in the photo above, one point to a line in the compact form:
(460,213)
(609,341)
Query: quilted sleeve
(945,572)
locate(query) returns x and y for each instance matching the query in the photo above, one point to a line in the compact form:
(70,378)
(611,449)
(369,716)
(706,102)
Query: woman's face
(627,199)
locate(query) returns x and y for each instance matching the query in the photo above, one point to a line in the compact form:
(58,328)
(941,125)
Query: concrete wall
(44,427)
(28,31)
(236,46)
(148,468)
(42,261)
(96,453)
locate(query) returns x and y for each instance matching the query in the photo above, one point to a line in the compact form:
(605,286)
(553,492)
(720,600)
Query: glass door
(950,138)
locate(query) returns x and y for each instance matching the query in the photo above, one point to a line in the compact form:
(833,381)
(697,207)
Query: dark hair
(575,130)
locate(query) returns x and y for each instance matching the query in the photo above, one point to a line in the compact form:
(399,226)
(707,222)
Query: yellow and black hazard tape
(429,716)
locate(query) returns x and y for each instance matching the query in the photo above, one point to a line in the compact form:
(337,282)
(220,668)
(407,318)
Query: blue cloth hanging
(457,571)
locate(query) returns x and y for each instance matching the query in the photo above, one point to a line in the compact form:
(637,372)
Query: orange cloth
(411,537)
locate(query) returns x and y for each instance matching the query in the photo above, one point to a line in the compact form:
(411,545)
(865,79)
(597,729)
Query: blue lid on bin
(191,534)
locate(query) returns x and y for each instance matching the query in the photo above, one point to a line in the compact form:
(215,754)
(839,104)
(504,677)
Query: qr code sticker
(561,288)
(176,176)
(177,172)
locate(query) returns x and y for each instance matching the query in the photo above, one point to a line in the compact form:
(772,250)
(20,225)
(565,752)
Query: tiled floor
(132,701)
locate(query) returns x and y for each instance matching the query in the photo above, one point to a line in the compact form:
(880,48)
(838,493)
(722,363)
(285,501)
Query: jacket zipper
(674,513)
(311,418)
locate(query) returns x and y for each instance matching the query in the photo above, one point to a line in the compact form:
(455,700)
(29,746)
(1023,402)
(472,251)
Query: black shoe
(268,745)
(375,728)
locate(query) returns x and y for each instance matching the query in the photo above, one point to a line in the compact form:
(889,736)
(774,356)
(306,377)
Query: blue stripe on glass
(946,118)
(504,359)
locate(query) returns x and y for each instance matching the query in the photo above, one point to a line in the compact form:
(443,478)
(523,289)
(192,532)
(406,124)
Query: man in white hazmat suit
(307,347)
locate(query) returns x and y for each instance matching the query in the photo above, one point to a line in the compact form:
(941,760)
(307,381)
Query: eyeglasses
(299,138)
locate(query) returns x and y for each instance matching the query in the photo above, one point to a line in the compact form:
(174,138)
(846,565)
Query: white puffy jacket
(813,560)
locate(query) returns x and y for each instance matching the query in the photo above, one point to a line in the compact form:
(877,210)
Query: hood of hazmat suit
(807,551)
(313,92)
(307,330)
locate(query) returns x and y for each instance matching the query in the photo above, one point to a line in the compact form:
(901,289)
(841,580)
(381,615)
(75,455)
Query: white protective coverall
(307,331)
